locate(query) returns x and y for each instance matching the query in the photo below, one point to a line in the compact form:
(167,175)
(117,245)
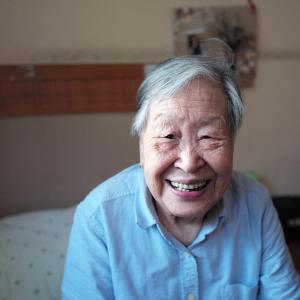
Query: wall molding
(62,89)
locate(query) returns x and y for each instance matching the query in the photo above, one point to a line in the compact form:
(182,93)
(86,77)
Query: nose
(189,159)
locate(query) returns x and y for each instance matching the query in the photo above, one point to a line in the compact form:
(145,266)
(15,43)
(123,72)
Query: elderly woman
(181,224)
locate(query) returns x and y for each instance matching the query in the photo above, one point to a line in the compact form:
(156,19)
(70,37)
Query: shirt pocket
(240,292)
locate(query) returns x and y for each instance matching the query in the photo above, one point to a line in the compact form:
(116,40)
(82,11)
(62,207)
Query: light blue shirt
(119,250)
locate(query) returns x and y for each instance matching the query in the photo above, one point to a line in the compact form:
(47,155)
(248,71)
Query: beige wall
(37,31)
(54,161)
(58,159)
(269,140)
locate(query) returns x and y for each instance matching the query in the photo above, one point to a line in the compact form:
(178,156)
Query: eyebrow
(161,121)
(164,118)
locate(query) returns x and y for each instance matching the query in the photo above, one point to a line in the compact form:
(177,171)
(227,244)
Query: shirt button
(191,296)
(187,254)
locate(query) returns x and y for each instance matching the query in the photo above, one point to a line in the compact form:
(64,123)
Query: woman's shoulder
(121,185)
(250,191)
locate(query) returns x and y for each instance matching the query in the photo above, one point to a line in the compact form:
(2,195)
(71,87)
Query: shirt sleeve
(87,272)
(278,279)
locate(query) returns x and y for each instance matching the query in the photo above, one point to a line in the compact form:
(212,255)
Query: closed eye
(205,137)
(170,136)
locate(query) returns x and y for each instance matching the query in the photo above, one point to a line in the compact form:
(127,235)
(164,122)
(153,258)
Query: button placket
(191,296)
(190,276)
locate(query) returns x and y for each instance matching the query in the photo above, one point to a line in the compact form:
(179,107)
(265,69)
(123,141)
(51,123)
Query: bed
(32,253)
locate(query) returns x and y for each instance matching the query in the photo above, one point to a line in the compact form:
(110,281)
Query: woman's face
(186,151)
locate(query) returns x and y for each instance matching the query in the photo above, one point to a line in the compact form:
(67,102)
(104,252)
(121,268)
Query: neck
(183,229)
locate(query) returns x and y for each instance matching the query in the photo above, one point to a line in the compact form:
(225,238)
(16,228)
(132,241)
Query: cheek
(155,160)
(221,161)
(159,154)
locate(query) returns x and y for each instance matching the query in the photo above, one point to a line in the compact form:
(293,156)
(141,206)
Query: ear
(141,146)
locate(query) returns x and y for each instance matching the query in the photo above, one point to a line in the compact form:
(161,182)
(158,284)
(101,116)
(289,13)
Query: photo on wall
(235,25)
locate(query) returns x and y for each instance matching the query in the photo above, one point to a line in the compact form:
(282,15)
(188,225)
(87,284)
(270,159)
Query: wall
(37,31)
(56,160)
(269,138)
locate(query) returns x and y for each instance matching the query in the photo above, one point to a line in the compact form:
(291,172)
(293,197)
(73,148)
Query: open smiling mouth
(183,187)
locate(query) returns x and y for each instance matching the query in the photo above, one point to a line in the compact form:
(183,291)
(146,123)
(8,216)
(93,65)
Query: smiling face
(186,151)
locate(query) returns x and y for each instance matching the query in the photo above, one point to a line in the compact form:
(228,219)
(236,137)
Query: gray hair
(172,75)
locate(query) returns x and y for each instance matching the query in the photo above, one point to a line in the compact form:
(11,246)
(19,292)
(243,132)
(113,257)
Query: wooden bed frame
(62,89)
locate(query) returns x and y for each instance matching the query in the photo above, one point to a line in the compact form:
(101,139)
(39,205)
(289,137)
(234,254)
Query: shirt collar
(145,214)
(225,212)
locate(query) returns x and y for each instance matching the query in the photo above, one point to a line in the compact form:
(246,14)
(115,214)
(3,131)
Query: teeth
(187,187)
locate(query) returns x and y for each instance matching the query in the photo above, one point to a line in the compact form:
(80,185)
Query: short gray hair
(172,75)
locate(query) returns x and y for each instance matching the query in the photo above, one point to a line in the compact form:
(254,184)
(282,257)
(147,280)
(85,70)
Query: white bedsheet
(32,254)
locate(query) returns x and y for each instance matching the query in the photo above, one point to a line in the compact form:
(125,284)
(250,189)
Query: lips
(192,187)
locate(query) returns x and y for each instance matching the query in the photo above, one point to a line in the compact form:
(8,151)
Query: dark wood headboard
(59,89)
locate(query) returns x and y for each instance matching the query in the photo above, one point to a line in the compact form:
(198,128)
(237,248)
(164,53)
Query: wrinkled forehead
(194,87)
(197,94)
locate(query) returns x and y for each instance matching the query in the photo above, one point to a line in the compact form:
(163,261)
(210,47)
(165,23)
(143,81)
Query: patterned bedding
(32,254)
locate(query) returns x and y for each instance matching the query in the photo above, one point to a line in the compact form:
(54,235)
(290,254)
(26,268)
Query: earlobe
(141,160)
(141,146)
